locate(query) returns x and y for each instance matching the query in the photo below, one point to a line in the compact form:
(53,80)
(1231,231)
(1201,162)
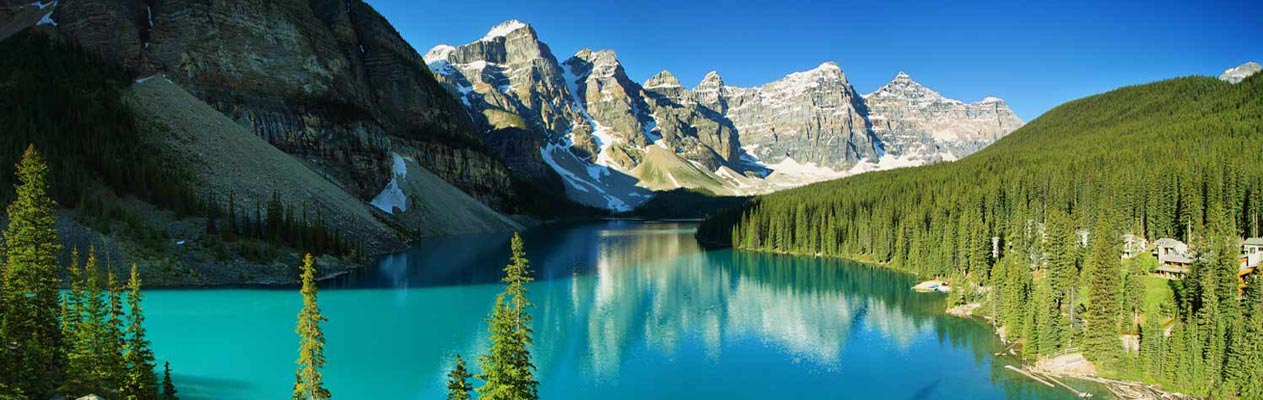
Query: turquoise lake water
(624,310)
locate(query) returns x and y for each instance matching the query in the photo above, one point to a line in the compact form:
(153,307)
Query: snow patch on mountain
(393,197)
(789,166)
(504,29)
(610,193)
(601,134)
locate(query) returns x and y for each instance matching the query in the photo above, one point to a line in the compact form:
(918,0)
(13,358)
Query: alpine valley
(262,127)
(614,141)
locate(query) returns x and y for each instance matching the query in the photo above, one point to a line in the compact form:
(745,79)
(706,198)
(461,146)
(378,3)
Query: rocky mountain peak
(828,67)
(712,80)
(663,80)
(1239,73)
(437,54)
(902,86)
(600,63)
(918,125)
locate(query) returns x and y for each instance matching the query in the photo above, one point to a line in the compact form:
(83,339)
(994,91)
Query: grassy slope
(661,169)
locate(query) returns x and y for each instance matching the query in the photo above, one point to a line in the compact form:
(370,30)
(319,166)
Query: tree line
(1032,228)
(88,340)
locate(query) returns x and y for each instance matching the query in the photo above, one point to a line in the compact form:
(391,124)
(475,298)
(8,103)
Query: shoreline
(1130,390)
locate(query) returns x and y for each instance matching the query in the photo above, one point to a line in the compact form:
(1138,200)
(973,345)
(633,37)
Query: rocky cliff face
(609,138)
(813,116)
(330,81)
(588,122)
(919,125)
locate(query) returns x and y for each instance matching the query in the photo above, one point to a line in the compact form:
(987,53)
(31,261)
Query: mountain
(813,116)
(614,141)
(920,125)
(1238,73)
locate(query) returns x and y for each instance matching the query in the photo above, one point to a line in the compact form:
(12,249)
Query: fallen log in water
(1028,375)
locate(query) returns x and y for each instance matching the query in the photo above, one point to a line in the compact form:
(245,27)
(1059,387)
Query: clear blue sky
(1035,56)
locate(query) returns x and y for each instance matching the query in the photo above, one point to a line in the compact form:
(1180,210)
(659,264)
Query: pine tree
(309,381)
(115,337)
(1047,325)
(500,375)
(141,383)
(458,386)
(1101,317)
(1252,350)
(31,327)
(507,371)
(168,388)
(516,275)
(87,368)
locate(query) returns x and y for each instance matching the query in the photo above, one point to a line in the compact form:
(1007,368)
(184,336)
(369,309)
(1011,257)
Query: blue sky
(1035,56)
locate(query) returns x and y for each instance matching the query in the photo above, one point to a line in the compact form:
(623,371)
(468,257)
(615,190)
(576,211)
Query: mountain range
(614,140)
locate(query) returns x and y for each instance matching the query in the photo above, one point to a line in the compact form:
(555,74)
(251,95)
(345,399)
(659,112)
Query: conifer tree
(168,387)
(1101,317)
(458,386)
(1047,322)
(516,275)
(500,374)
(141,382)
(507,370)
(71,301)
(87,370)
(1252,349)
(112,353)
(309,381)
(31,327)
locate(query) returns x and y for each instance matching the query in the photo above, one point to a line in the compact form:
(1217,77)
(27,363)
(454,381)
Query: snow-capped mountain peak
(438,53)
(711,80)
(828,66)
(1239,73)
(662,80)
(504,29)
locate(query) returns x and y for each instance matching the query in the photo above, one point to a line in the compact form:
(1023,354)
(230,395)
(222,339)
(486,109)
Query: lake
(624,310)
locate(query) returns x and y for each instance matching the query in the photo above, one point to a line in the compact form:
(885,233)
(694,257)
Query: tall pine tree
(30,326)
(91,339)
(458,386)
(507,370)
(168,387)
(141,382)
(1104,298)
(309,381)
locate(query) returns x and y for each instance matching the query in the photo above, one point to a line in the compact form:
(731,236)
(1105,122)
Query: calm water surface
(624,310)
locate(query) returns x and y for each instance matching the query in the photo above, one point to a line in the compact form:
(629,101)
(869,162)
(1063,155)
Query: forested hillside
(69,106)
(1181,158)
